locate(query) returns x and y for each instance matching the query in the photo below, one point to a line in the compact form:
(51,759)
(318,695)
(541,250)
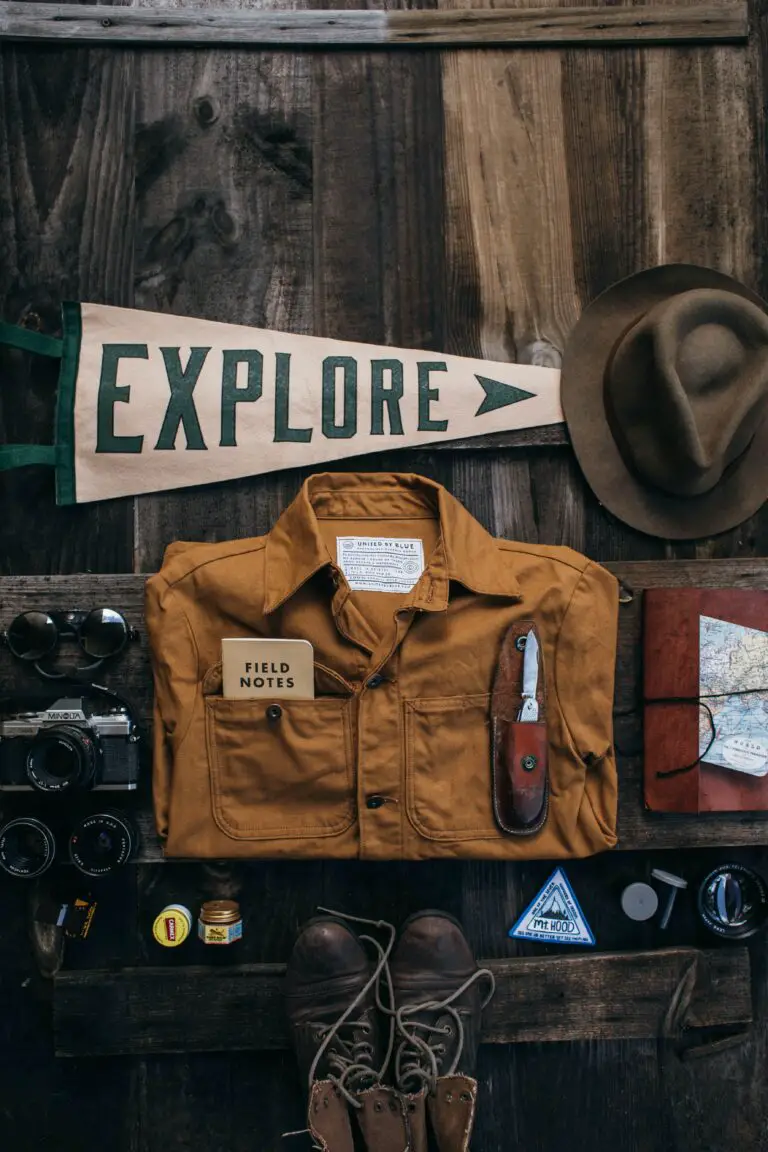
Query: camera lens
(60,759)
(27,847)
(733,901)
(32,635)
(102,842)
(103,633)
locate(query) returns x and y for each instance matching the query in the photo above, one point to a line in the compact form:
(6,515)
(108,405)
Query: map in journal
(733,658)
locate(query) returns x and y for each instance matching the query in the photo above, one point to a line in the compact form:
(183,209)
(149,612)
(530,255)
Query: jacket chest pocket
(280,769)
(448,773)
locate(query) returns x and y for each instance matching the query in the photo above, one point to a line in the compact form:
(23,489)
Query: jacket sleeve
(175,668)
(585,665)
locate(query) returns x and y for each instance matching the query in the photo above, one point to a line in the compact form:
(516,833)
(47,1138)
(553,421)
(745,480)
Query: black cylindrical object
(733,901)
(27,847)
(102,842)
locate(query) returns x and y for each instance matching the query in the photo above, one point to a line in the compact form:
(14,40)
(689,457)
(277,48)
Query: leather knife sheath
(520,780)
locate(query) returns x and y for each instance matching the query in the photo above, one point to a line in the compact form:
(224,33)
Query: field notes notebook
(277,669)
(709,645)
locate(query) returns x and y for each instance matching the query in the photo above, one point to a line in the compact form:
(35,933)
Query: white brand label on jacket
(380,563)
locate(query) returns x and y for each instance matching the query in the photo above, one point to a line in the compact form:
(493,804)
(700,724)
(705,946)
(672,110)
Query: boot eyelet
(449,1097)
(411,1106)
(466,1097)
(447,1031)
(378,1106)
(325,1101)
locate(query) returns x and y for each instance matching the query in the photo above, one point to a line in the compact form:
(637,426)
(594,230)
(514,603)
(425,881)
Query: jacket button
(374,802)
(274,712)
(375,681)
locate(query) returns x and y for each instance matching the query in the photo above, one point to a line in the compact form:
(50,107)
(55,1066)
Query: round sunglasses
(101,633)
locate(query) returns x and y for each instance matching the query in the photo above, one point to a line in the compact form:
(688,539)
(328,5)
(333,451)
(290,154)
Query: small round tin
(220,922)
(639,901)
(172,926)
(733,901)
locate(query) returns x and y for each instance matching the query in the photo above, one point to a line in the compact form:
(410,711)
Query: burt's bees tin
(172,926)
(220,922)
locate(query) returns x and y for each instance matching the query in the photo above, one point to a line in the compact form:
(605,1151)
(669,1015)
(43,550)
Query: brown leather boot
(331,999)
(439,1007)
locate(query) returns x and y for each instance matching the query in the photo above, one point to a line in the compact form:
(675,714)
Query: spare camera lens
(61,758)
(102,842)
(733,901)
(27,847)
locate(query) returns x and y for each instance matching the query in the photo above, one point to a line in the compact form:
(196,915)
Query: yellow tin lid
(172,925)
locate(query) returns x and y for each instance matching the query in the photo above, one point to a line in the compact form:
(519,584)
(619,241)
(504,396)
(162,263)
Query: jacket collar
(466,553)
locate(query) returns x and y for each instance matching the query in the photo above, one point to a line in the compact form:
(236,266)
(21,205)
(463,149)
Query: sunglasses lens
(32,636)
(103,633)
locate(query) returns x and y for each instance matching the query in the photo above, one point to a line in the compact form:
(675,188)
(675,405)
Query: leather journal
(705,685)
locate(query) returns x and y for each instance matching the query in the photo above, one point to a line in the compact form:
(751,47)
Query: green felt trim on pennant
(21,455)
(28,341)
(72,330)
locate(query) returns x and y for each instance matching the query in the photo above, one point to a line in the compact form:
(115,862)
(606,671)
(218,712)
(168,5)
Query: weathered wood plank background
(466,200)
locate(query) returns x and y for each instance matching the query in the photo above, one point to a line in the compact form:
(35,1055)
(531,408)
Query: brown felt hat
(665,393)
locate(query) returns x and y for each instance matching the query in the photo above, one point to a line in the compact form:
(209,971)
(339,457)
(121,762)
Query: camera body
(76,743)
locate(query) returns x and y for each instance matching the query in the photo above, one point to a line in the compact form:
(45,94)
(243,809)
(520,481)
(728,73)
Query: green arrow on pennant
(498,395)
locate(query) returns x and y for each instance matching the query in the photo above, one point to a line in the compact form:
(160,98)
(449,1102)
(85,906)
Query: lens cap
(733,901)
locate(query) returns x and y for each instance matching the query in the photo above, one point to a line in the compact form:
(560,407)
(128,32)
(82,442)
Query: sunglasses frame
(69,623)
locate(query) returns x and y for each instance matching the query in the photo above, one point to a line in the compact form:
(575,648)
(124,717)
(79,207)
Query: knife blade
(529,713)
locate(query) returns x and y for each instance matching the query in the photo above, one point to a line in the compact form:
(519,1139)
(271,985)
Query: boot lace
(418,1055)
(350,1056)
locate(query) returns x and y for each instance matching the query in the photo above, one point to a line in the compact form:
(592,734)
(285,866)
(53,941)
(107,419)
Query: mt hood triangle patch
(554,916)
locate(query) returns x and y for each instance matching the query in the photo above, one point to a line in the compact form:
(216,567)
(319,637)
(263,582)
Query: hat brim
(743,488)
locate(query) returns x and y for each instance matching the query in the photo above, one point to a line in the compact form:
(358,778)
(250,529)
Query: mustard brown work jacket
(392,758)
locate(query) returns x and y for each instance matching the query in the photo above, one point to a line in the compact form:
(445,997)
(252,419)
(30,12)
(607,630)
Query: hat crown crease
(692,412)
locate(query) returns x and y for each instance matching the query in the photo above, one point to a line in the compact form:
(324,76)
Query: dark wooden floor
(467,201)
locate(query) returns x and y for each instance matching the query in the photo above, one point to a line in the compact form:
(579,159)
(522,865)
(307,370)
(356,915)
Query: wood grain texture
(742,1116)
(597,26)
(508,226)
(379,270)
(66,232)
(623,1101)
(207,25)
(198,1009)
(604,109)
(239,1102)
(224,212)
(31,1073)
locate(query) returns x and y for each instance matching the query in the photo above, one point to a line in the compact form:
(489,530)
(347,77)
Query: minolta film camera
(76,744)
